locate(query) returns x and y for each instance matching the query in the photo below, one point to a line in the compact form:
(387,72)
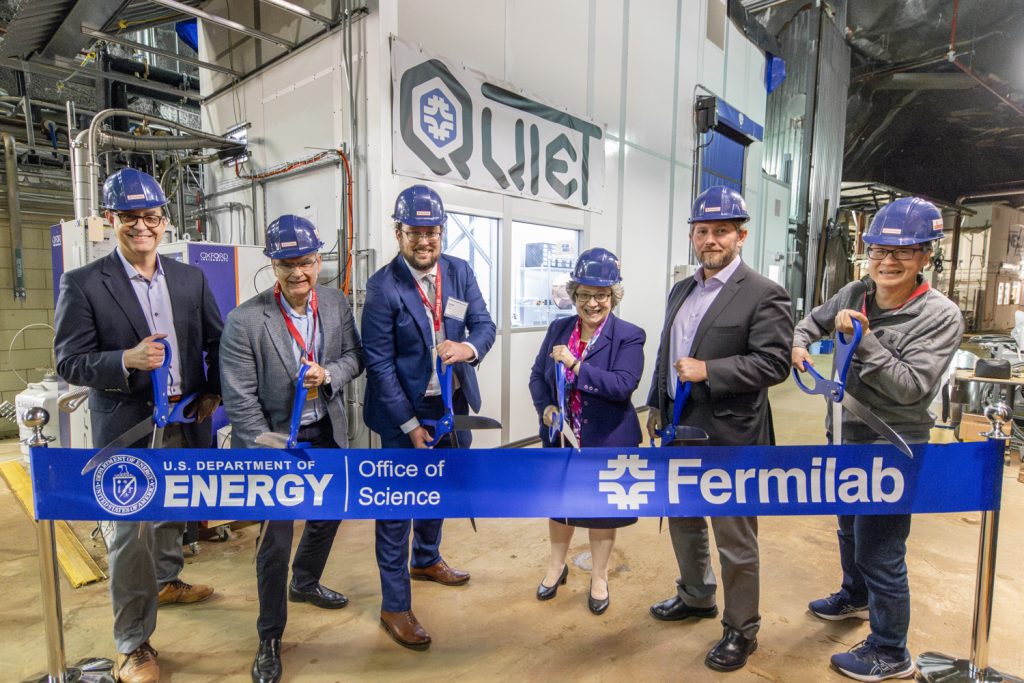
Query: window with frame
(474,239)
(541,260)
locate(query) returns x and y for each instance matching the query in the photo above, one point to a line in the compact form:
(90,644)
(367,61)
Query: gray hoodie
(897,368)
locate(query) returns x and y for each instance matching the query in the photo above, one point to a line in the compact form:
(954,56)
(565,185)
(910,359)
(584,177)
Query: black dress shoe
(320,596)
(731,652)
(674,609)
(548,592)
(598,606)
(267,667)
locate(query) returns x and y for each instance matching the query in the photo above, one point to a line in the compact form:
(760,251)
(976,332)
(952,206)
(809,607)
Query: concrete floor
(494,629)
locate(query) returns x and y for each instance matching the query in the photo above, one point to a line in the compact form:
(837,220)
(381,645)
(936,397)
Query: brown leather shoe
(179,592)
(405,629)
(138,666)
(441,573)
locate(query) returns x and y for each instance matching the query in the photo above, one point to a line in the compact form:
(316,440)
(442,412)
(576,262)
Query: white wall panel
(523,418)
(652,50)
(712,65)
(492,386)
(691,39)
(608,62)
(472,33)
(604,227)
(550,55)
(736,68)
(645,237)
(681,212)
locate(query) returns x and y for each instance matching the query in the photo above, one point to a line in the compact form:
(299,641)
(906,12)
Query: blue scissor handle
(298,405)
(841,360)
(558,422)
(668,434)
(446,423)
(160,377)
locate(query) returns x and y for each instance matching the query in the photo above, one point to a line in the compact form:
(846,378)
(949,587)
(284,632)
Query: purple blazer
(608,377)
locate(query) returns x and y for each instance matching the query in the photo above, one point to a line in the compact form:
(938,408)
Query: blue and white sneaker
(836,607)
(866,662)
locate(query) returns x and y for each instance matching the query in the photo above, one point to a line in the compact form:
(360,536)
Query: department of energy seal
(124,484)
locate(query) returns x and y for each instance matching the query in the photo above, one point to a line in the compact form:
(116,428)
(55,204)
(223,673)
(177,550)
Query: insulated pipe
(14,209)
(93,131)
(143,143)
(81,190)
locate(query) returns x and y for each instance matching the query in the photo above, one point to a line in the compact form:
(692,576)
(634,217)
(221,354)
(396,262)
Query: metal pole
(36,419)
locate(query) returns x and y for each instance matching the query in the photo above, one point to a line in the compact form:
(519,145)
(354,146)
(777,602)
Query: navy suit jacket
(608,377)
(398,336)
(98,317)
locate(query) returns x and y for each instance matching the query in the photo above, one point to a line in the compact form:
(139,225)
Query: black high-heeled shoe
(598,606)
(548,592)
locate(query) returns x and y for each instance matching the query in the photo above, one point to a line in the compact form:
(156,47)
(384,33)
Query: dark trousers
(873,552)
(393,534)
(873,555)
(276,547)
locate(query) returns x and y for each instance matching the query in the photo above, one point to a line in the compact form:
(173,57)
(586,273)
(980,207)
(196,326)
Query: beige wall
(44,201)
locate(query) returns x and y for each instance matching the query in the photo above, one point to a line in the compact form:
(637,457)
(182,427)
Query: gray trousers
(736,538)
(142,557)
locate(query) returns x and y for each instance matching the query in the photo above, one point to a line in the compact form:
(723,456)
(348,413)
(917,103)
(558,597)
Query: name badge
(456,309)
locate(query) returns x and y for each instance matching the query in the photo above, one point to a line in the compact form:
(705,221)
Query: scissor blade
(139,431)
(570,437)
(684,433)
(871,420)
(464,422)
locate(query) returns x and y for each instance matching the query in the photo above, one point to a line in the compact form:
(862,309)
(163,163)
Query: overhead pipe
(955,61)
(93,137)
(14,210)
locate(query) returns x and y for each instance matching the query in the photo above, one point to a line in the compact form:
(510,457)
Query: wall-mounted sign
(459,126)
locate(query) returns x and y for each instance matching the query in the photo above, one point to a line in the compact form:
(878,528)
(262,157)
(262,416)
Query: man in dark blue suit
(421,306)
(109,315)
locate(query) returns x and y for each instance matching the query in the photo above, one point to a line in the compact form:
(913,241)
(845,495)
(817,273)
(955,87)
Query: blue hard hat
(419,207)
(131,189)
(596,268)
(290,236)
(719,203)
(906,221)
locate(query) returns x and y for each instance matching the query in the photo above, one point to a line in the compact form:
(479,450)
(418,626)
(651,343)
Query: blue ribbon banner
(179,484)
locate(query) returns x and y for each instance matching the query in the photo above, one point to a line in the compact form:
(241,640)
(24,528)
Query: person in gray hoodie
(910,333)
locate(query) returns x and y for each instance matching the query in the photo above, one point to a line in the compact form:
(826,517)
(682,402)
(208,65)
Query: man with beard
(727,333)
(421,306)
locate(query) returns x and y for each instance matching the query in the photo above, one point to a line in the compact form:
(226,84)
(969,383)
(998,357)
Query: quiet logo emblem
(124,484)
(618,495)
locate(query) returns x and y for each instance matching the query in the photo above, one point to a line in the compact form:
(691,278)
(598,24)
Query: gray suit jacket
(258,366)
(744,339)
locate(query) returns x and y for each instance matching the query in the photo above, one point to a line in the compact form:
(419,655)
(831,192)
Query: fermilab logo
(124,484)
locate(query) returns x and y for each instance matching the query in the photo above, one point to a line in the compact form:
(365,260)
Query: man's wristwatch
(327,376)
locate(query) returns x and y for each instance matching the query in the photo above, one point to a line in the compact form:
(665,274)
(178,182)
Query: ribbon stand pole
(92,669)
(933,667)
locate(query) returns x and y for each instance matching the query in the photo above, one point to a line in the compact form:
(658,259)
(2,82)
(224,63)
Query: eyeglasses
(129,220)
(601,297)
(305,265)
(899,253)
(415,236)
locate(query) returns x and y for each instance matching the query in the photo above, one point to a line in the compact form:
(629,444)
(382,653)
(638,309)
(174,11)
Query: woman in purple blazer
(604,358)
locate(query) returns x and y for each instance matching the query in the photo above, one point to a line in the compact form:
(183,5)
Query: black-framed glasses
(422,235)
(600,297)
(129,220)
(304,265)
(899,253)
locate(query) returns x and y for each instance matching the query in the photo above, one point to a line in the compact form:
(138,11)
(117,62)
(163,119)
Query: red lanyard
(291,326)
(436,309)
(921,289)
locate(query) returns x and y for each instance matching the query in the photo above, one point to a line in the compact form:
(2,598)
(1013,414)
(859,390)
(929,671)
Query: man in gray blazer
(265,342)
(726,333)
